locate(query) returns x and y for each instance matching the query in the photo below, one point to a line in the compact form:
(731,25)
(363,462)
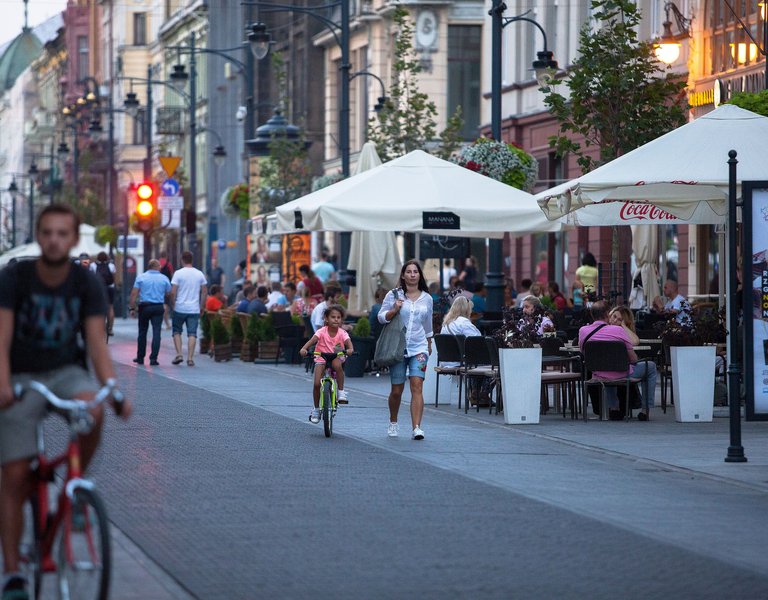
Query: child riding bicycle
(332,344)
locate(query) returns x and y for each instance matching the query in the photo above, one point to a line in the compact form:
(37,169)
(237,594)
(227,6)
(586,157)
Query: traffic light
(146,206)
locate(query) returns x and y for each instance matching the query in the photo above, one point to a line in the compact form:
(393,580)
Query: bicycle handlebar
(108,390)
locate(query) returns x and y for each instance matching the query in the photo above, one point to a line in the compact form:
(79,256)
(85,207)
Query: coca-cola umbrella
(680,177)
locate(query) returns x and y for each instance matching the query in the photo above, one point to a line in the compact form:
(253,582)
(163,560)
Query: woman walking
(414,304)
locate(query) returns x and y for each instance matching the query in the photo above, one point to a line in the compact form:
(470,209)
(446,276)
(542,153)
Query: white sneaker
(392,431)
(341,397)
(418,434)
(314,416)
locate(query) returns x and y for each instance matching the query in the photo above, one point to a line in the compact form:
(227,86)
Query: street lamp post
(260,45)
(543,66)
(13,189)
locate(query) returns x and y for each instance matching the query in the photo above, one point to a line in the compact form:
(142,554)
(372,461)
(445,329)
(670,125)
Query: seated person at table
(672,301)
(330,298)
(275,299)
(248,295)
(216,298)
(456,321)
(534,312)
(258,305)
(478,299)
(560,302)
(601,331)
(622,316)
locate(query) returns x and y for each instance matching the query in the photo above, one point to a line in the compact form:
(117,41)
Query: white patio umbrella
(680,177)
(32,250)
(417,193)
(373,255)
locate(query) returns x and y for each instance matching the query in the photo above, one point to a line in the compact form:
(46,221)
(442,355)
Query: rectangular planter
(222,352)
(268,350)
(693,382)
(521,384)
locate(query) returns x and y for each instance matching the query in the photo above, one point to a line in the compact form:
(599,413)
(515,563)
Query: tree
(618,99)
(757,103)
(407,120)
(287,173)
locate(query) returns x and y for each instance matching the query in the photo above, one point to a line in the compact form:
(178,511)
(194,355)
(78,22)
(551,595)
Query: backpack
(103,270)
(166,270)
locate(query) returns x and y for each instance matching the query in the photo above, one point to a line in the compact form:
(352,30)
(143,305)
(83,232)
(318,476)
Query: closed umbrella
(645,245)
(373,255)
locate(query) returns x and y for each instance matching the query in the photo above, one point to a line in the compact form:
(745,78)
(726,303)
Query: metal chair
(608,356)
(477,364)
(289,338)
(450,350)
(493,353)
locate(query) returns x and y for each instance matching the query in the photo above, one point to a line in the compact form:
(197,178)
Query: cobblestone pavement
(221,481)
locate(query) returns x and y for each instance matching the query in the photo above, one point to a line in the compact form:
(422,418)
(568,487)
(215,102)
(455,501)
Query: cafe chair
(477,365)
(608,356)
(493,353)
(449,350)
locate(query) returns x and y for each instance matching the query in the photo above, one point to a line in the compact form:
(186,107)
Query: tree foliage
(618,99)
(287,173)
(757,103)
(407,120)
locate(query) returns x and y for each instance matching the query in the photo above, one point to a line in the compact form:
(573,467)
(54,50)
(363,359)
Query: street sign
(170,187)
(170,202)
(170,164)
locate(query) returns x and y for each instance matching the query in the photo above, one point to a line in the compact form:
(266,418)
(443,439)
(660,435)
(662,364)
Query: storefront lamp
(743,51)
(667,49)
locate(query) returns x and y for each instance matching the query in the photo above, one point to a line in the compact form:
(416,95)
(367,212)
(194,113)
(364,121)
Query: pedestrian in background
(587,273)
(412,301)
(216,275)
(150,293)
(166,268)
(324,269)
(105,269)
(525,291)
(311,281)
(468,275)
(188,294)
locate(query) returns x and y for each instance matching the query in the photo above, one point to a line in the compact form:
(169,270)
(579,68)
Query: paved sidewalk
(689,497)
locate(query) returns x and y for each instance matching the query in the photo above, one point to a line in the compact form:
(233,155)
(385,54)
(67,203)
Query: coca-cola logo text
(641,212)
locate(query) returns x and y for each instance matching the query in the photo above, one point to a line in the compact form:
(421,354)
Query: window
(139,29)
(464,76)
(728,45)
(140,127)
(82,57)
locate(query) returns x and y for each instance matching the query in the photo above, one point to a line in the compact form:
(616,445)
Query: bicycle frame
(44,475)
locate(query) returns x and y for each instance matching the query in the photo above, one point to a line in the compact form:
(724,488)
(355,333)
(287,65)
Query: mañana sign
(440,220)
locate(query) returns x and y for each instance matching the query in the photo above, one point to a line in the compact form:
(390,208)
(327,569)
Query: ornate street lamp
(259,40)
(667,49)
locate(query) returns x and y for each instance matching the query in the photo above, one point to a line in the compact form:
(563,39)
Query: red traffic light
(145,191)
(146,209)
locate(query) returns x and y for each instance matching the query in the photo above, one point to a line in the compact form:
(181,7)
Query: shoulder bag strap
(593,332)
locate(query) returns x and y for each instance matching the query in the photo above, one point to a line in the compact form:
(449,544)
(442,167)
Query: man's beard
(54,263)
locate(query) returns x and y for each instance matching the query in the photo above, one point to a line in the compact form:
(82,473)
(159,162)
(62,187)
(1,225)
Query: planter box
(268,350)
(521,384)
(248,352)
(355,364)
(222,352)
(205,345)
(693,382)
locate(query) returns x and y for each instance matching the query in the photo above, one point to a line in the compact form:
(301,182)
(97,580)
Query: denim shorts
(191,320)
(416,366)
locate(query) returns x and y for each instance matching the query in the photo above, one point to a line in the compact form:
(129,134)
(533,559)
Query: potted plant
(205,333)
(250,349)
(222,348)
(363,344)
(520,369)
(267,338)
(235,334)
(691,341)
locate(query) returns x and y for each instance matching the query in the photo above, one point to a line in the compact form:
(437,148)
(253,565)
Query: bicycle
(76,522)
(328,389)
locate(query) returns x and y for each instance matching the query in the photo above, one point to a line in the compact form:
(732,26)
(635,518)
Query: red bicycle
(72,525)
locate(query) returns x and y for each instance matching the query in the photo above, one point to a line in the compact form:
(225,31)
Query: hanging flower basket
(235,201)
(500,161)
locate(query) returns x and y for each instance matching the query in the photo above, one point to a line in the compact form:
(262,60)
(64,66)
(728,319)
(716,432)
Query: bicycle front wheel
(84,564)
(327,400)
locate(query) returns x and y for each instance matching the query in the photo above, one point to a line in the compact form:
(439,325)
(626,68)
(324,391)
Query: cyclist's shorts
(18,423)
(326,358)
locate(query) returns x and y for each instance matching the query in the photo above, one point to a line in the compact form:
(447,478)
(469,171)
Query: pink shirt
(609,333)
(326,343)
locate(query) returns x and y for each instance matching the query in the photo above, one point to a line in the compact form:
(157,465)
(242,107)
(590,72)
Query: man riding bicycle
(44,304)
